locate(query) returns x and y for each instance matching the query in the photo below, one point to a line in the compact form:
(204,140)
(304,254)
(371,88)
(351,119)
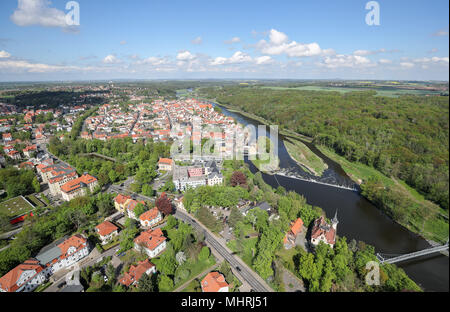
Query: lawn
(15,207)
(248,249)
(305,157)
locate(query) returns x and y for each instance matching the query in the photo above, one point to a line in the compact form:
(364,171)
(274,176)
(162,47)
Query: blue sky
(136,39)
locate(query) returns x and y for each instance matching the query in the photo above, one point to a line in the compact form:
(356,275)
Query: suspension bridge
(389,258)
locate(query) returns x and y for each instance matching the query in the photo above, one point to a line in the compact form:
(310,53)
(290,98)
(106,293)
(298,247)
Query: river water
(358,218)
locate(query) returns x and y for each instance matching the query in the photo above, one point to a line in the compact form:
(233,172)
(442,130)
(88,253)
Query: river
(358,218)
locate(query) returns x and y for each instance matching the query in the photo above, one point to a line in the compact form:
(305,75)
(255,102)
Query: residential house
(107,231)
(152,242)
(135,273)
(150,217)
(214,282)
(165,164)
(291,236)
(120,202)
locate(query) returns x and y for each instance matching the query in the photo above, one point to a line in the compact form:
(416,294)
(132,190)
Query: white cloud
(237,58)
(233,40)
(265,59)
(277,37)
(197,40)
(4,54)
(385,61)
(340,60)
(20,65)
(185,56)
(279,44)
(38,12)
(123,42)
(406,65)
(111,59)
(441,33)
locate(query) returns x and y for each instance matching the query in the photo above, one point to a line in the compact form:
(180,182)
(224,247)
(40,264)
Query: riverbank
(420,216)
(415,213)
(304,157)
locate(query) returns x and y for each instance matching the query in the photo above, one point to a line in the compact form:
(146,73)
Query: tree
(36,185)
(165,283)
(164,205)
(238,179)
(139,209)
(146,283)
(204,254)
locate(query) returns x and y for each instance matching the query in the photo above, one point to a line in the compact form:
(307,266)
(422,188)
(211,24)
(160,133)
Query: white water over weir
(318,182)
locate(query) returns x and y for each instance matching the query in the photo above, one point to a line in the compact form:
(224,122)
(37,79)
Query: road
(239,268)
(243,273)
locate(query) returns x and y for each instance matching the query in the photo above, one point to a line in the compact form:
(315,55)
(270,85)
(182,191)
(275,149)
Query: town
(183,223)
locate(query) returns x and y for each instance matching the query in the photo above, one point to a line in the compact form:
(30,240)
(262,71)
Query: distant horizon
(83,40)
(216,79)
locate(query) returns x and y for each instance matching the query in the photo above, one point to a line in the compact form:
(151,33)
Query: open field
(15,207)
(380,92)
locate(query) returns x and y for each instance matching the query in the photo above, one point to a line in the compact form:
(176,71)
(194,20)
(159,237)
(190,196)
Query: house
(165,164)
(296,228)
(120,202)
(107,231)
(63,253)
(152,242)
(150,217)
(78,187)
(23,278)
(214,282)
(131,205)
(135,273)
(324,232)
(27,151)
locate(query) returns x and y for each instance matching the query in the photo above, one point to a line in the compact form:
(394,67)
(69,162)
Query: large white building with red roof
(23,278)
(78,187)
(152,242)
(60,254)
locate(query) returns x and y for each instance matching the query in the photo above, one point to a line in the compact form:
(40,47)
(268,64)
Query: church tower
(335,221)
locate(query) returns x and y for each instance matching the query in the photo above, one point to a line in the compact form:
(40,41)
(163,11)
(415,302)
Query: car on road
(239,269)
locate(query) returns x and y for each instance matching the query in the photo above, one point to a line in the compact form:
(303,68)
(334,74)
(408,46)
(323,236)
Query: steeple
(335,220)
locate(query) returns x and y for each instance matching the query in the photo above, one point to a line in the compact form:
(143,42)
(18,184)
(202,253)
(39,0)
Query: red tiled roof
(150,239)
(213,282)
(121,199)
(135,273)
(76,183)
(149,215)
(9,281)
(106,228)
(76,241)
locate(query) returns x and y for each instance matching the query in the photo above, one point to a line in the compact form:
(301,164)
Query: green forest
(405,138)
